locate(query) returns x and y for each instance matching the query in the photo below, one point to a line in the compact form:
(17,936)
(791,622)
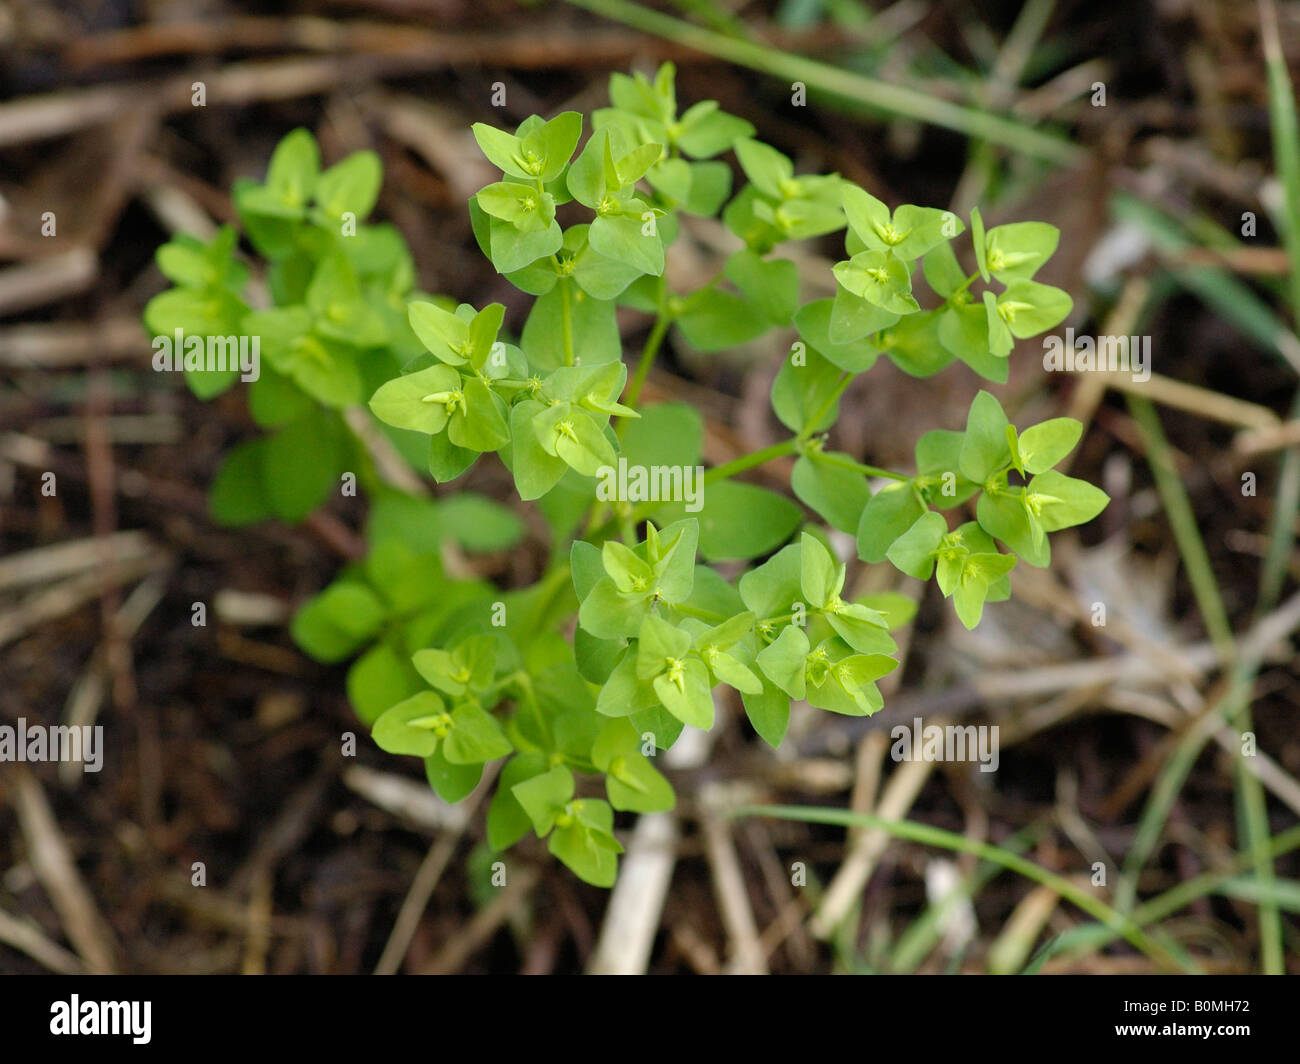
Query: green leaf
(589,852)
(938,461)
(984,450)
(521,205)
(1000,339)
(685,692)
(409,727)
(913,345)
(666,434)
(765,167)
(769,713)
(444,334)
(608,613)
(847,686)
(475,737)
(600,277)
(1030,308)
(339,311)
(446,460)
(771,285)
(632,783)
(593,332)
(624,694)
(879,278)
(783,661)
(294,169)
(1003,516)
(851,318)
(351,185)
(273,400)
(418,401)
(890,513)
(450,782)
(630,572)
(942,271)
(536,470)
(897,609)
(507,822)
(632,165)
(868,217)
(820,576)
(913,551)
(478,523)
(337,622)
(634,241)
(378,680)
(576,436)
(554,143)
(837,494)
(740,521)
(658,644)
(979,572)
(805,392)
(543,797)
(1062,502)
(512,249)
(718,320)
(478,423)
(706,131)
(863,628)
(978,239)
(922,229)
(1043,445)
(586,179)
(964,330)
(672,552)
(300,467)
(771,589)
(816,323)
(501,148)
(1016,251)
(236,497)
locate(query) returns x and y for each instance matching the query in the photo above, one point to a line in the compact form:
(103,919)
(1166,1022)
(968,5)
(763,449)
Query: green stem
(813,424)
(711,476)
(961,288)
(567,317)
(844,462)
(647,359)
(749,461)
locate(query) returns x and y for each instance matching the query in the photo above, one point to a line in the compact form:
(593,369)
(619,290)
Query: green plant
(460,673)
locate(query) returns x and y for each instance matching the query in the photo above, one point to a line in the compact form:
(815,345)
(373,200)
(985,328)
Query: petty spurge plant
(460,673)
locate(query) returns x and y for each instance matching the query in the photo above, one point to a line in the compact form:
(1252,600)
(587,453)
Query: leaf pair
(968,565)
(662,569)
(294,179)
(581,831)
(828,676)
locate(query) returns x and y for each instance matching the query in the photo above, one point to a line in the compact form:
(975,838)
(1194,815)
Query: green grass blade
(854,89)
(932,836)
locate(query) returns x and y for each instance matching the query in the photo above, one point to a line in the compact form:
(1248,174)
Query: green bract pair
(630,634)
